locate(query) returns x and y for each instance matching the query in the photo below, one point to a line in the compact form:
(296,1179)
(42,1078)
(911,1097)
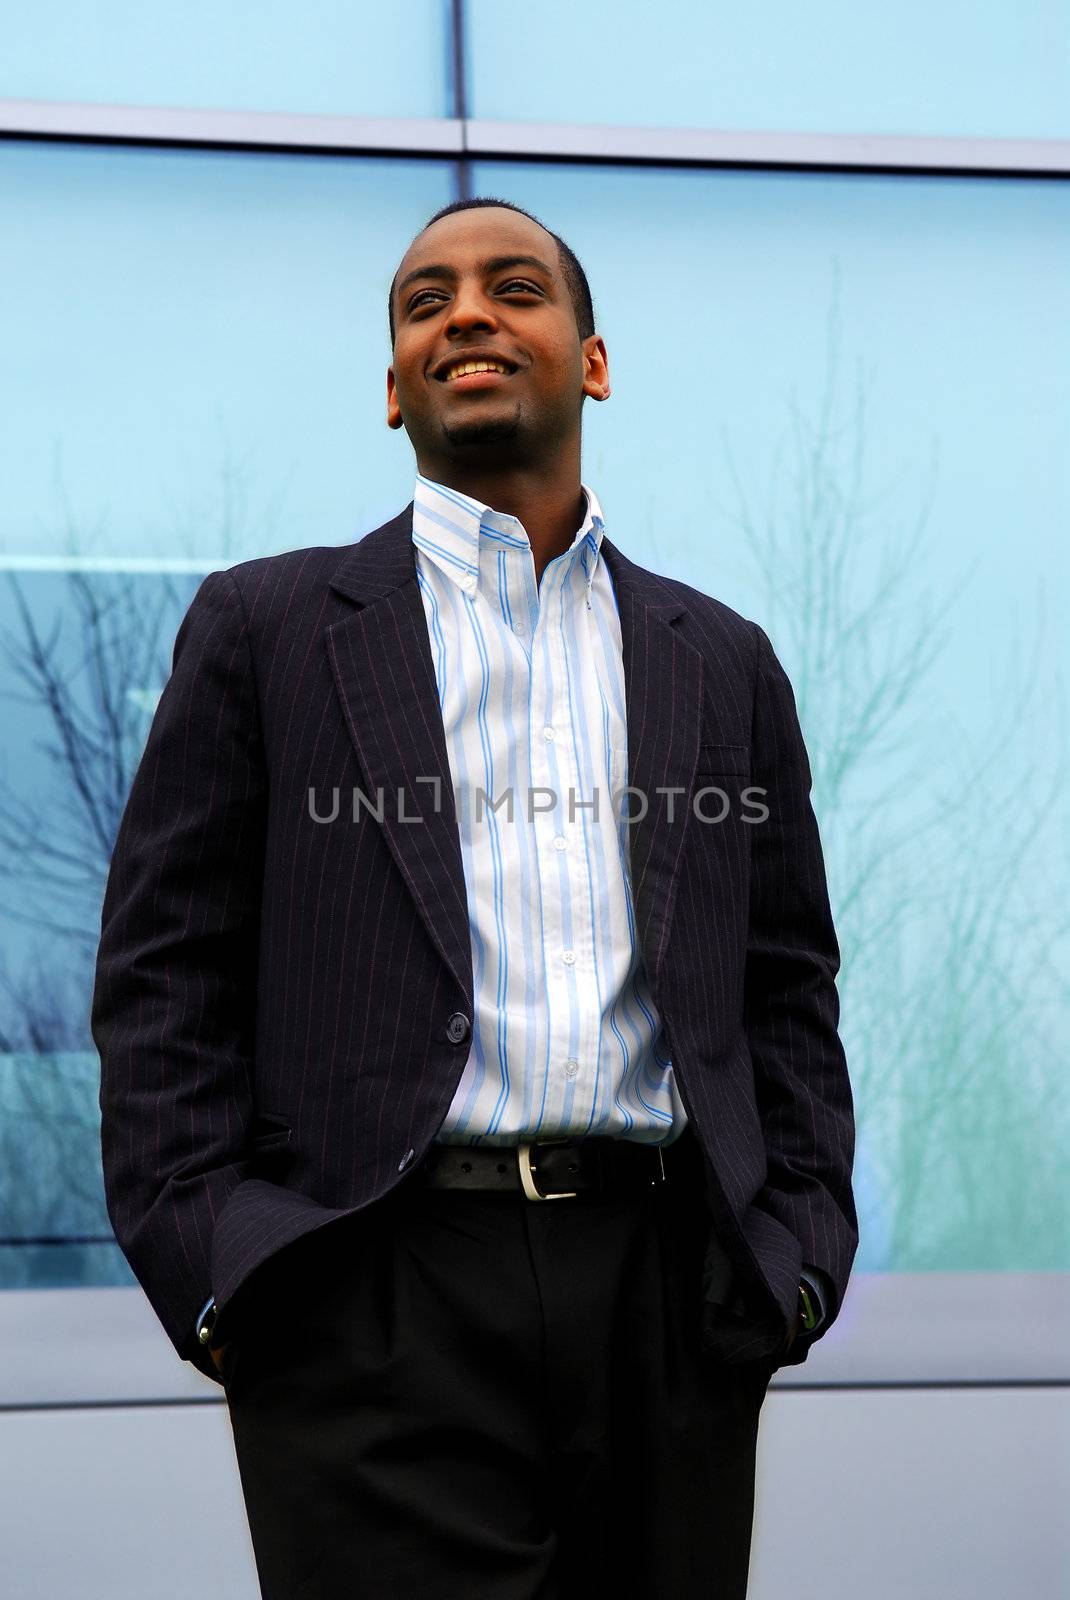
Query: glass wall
(196,346)
(325,56)
(841,404)
(992,70)
(195,349)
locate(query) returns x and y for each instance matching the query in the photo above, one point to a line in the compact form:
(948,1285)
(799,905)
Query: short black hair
(575,277)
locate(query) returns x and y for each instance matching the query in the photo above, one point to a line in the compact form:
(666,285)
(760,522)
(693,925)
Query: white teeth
(464,367)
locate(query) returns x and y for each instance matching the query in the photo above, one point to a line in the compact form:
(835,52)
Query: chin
(481,431)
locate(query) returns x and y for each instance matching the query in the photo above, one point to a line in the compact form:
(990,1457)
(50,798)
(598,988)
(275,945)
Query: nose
(471,309)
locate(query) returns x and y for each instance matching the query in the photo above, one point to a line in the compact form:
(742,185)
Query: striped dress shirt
(566,1038)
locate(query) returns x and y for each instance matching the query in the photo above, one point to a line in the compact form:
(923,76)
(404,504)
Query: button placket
(573,950)
(552,758)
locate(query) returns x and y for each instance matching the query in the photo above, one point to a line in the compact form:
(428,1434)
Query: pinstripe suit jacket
(282,1006)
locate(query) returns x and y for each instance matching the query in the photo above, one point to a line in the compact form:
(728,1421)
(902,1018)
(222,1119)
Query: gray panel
(919,1496)
(860,1496)
(535,140)
(123,1505)
(167,124)
(705,146)
(99,1345)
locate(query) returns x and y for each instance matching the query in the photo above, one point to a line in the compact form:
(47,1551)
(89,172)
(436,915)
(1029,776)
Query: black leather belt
(547,1169)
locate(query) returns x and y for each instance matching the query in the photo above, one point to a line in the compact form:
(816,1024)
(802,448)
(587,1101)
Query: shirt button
(560,842)
(571,1068)
(518,627)
(457,1028)
(547,733)
(568,957)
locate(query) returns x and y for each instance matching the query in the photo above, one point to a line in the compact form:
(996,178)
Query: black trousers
(454,1395)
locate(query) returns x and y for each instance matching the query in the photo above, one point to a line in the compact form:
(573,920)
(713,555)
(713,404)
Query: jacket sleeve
(173,1005)
(791,1005)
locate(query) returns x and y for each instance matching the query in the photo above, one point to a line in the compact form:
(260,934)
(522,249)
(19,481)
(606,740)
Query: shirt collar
(456,531)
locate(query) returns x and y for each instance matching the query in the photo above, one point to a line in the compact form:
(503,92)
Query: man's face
(486,285)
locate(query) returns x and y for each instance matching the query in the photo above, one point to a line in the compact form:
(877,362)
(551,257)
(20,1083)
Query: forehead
(465,237)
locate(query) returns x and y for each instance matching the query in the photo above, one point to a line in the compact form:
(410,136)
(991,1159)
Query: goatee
(481,432)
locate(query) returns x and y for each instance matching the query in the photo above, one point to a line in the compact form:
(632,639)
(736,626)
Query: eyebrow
(491,264)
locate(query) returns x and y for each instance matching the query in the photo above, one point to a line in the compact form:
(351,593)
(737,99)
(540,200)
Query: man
(485,1128)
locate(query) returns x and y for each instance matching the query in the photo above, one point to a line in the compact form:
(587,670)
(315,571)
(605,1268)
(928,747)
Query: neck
(548,500)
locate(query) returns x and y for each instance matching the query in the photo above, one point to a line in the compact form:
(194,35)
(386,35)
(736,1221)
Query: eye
(521,283)
(415,301)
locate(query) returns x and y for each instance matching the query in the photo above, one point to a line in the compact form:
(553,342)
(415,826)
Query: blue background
(841,403)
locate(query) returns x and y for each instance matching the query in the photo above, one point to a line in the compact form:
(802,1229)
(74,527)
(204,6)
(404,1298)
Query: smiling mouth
(474,374)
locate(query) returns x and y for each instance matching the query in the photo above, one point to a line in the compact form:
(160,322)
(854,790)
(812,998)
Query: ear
(393,410)
(595,368)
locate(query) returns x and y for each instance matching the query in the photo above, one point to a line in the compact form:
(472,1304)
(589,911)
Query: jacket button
(457,1028)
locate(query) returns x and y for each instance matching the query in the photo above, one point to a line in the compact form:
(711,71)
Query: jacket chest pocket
(731,759)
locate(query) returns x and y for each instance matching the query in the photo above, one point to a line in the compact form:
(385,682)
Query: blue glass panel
(842,406)
(996,70)
(331,56)
(85,654)
(195,349)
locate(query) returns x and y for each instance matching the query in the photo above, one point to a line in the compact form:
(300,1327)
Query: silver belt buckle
(527,1181)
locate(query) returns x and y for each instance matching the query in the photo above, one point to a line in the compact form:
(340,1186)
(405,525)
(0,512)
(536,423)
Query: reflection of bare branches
(241,516)
(86,679)
(231,514)
(85,663)
(44,1005)
(49,1128)
(938,862)
(52,1189)
(827,614)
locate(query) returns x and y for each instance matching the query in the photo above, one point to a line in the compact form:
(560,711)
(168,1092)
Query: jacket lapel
(384,673)
(663,677)
(385,677)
